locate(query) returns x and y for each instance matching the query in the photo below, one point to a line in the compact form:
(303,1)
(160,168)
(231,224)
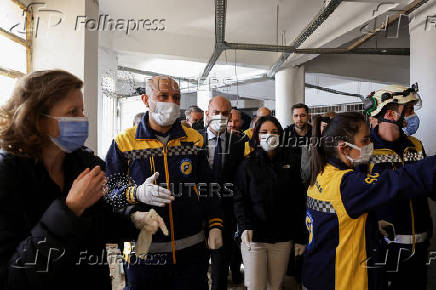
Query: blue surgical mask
(412,125)
(73,132)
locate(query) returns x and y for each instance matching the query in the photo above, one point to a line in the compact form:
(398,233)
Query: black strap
(399,122)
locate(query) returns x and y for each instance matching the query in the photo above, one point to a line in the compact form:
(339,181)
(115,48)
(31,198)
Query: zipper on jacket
(412,214)
(170,207)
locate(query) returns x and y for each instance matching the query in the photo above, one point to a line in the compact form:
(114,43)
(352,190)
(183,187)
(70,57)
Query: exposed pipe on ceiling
(353,48)
(307,85)
(323,14)
(319,19)
(292,49)
(332,91)
(255,79)
(153,74)
(221,45)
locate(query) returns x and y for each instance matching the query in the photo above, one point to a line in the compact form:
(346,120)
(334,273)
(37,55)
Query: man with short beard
(298,134)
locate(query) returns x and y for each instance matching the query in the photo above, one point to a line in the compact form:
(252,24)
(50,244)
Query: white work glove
(148,222)
(246,238)
(299,249)
(215,239)
(153,194)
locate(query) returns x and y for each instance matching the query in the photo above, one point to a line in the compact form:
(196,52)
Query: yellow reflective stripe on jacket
(247,148)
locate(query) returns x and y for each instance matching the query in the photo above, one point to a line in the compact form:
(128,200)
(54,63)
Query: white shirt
(211,144)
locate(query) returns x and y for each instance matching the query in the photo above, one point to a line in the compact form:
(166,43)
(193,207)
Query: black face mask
(198,125)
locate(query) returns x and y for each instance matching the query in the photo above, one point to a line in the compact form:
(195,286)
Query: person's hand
(153,194)
(86,190)
(299,249)
(381,225)
(246,238)
(149,221)
(215,239)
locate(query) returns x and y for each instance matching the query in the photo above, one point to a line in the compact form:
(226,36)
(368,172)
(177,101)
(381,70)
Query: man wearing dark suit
(225,152)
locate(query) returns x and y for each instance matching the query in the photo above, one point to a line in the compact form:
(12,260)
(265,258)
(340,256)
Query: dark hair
(300,106)
(254,141)
(316,121)
(342,127)
(34,94)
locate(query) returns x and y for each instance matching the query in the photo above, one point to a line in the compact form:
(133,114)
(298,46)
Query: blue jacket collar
(143,131)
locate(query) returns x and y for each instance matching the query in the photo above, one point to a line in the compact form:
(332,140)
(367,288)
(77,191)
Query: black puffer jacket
(43,245)
(270,198)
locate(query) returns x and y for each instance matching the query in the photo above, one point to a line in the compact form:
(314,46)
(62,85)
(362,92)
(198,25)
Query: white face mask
(165,113)
(218,123)
(269,142)
(365,153)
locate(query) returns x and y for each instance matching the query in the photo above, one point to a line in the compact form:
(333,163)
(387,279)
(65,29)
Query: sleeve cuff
(131,194)
(216,223)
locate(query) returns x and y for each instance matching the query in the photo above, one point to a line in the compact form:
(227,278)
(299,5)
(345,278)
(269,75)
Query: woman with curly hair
(53,223)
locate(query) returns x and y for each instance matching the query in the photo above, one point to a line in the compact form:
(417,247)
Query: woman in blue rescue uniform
(342,235)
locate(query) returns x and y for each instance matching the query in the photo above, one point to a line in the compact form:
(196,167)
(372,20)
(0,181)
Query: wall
(62,46)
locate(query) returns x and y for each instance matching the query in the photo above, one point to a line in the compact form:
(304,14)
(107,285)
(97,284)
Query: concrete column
(422,31)
(422,59)
(108,127)
(203,97)
(289,87)
(63,43)
(90,75)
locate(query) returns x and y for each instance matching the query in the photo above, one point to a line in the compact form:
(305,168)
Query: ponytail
(316,150)
(342,127)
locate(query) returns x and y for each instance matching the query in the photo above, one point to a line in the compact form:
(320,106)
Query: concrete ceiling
(189,26)
(189,36)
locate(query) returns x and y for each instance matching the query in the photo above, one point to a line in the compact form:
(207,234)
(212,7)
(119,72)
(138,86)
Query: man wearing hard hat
(405,225)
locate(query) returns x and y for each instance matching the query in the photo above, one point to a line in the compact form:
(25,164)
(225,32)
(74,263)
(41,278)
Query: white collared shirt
(211,146)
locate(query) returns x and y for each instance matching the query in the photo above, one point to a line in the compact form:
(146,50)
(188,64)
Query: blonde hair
(33,95)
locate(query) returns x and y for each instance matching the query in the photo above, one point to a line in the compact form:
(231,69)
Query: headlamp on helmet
(375,102)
